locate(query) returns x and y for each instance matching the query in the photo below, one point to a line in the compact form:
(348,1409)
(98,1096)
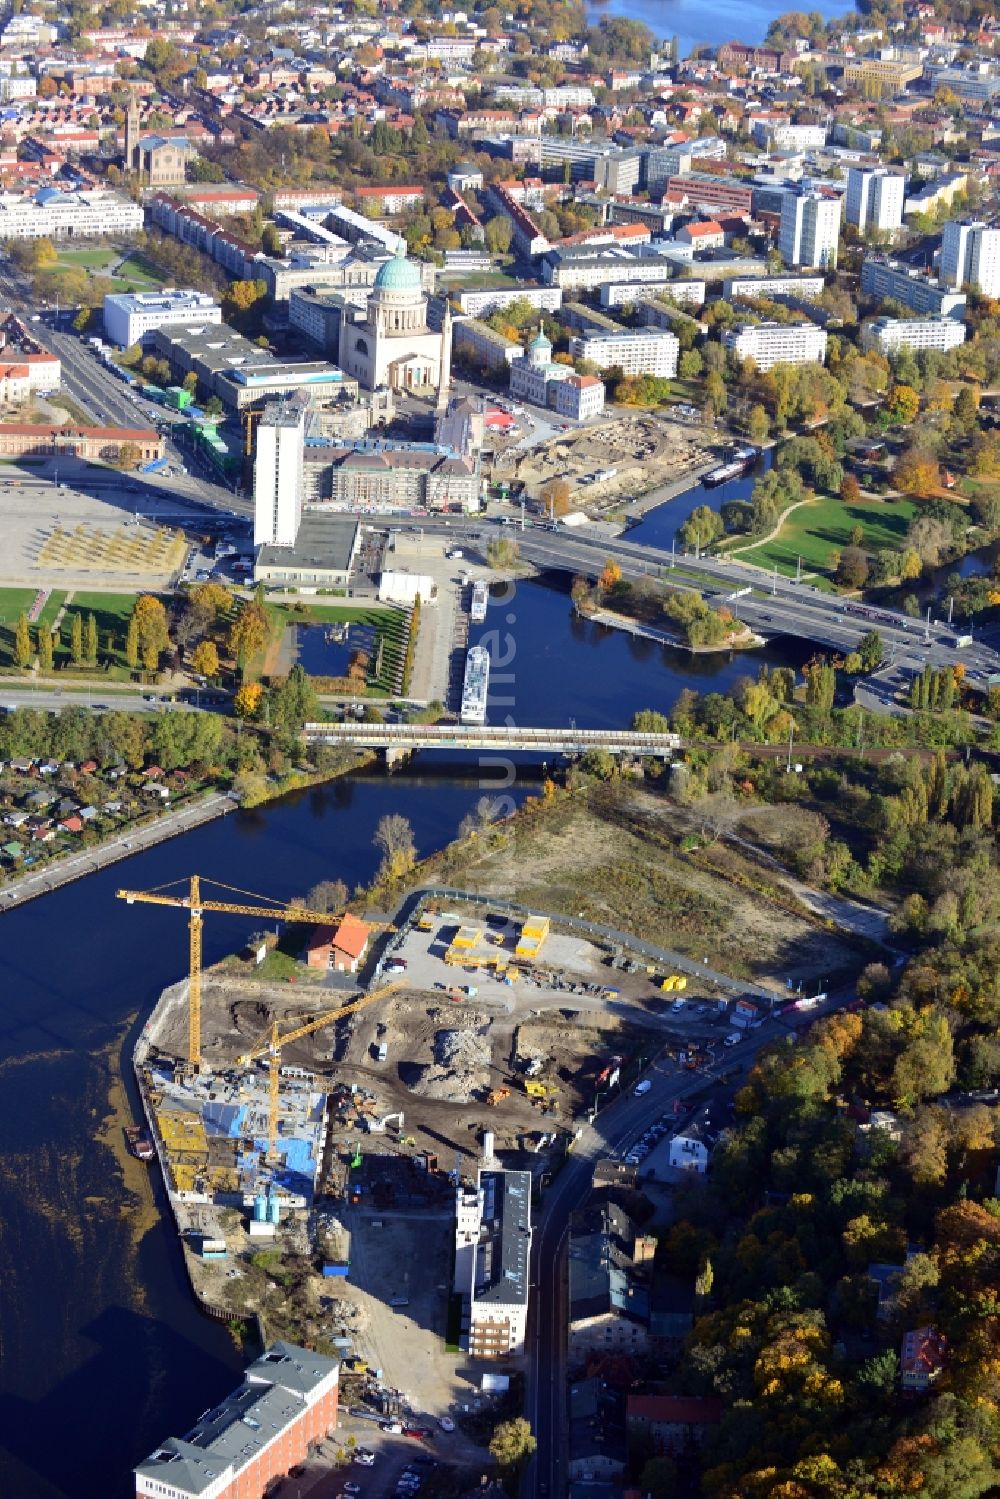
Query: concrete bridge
(398,739)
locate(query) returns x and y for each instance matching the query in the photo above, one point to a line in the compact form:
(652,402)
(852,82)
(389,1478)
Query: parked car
(446,1423)
(642,1088)
(733,1039)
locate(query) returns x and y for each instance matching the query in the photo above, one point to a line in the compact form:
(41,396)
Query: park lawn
(823,526)
(15,602)
(90,260)
(139,265)
(972,488)
(365,614)
(112,612)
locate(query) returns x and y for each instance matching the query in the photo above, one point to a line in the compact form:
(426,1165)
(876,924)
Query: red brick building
(287,1401)
(21,439)
(340,947)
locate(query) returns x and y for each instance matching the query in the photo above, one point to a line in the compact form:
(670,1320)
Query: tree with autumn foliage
(610,577)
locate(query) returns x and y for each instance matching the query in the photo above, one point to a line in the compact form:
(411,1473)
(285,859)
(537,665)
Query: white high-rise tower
(278,475)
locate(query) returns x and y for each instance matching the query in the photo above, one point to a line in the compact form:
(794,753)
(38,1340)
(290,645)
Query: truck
(381,1052)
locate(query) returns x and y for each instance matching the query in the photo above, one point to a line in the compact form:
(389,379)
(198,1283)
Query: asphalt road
(615,1129)
(98,699)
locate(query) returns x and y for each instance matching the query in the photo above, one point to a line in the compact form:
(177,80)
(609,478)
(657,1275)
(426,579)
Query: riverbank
(643,503)
(88,861)
(246,1326)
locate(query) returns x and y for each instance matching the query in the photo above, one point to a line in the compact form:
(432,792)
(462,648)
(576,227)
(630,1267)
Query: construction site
(606,462)
(311,1130)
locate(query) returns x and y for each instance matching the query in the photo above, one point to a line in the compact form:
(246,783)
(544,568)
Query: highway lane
(776,607)
(101,698)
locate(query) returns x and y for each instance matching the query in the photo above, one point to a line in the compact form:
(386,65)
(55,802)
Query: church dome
(398,274)
(540,343)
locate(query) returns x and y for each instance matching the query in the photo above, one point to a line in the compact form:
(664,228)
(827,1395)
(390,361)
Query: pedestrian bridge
(404,738)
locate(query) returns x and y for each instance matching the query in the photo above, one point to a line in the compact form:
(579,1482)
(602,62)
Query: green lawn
(823,526)
(111,611)
(91,260)
(17,601)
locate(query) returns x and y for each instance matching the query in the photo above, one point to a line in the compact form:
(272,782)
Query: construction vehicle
(196,906)
(538,1090)
(272,1048)
(425,922)
(378,1126)
(497,1095)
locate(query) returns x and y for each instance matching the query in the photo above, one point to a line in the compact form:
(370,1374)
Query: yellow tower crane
(271,1048)
(193,903)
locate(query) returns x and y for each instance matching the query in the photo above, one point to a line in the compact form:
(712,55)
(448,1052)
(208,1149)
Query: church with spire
(155,160)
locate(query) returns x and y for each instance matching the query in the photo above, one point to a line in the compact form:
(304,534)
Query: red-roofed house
(922,1359)
(339,947)
(706,235)
(670,1422)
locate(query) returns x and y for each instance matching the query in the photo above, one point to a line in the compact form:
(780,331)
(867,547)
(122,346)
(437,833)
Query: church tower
(444,373)
(132,135)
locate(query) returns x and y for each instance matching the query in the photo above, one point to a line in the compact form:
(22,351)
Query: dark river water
(102,1352)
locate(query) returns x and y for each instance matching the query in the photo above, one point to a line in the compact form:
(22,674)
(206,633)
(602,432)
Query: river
(102,1351)
(693,25)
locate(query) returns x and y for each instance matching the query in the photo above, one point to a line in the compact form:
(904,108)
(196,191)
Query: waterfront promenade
(129,841)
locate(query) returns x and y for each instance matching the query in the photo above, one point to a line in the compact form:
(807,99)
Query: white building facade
(492,1255)
(810,230)
(278,475)
(128,318)
(889,334)
(875,199)
(651,351)
(768,344)
(54,214)
(970,256)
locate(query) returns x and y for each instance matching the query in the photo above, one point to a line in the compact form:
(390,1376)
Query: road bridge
(403,738)
(774,605)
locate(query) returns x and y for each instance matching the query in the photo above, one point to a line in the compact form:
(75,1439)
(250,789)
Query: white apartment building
(683,293)
(650,351)
(875,199)
(492,1253)
(278,475)
(53,214)
(970,256)
(806,287)
(782,135)
(889,334)
(16,85)
(768,344)
(475,303)
(583,270)
(810,229)
(882,278)
(129,318)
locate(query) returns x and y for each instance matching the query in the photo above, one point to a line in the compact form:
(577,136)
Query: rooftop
(505,1237)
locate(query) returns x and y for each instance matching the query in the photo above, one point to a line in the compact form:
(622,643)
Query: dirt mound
(461,1065)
